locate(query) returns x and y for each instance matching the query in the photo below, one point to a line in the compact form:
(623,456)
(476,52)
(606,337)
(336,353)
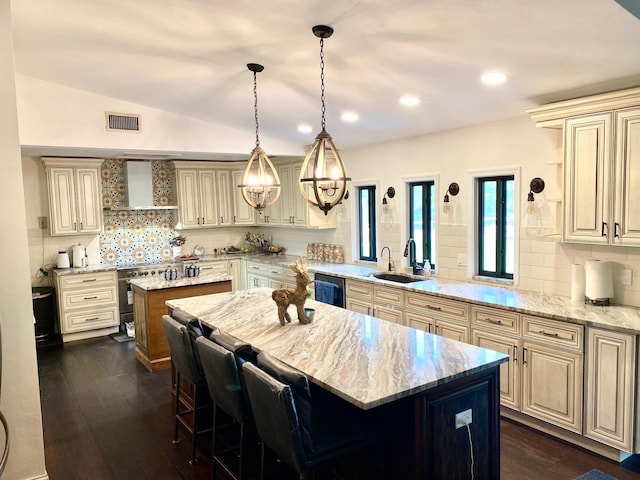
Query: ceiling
(190,56)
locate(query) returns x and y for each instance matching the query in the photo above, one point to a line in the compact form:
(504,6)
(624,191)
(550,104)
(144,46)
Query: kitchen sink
(398,278)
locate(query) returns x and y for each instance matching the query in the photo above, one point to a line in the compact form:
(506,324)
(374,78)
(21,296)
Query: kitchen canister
(170,274)
(62,260)
(598,281)
(577,283)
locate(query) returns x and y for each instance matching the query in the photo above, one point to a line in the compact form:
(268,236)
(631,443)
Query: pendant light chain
(322,79)
(255,106)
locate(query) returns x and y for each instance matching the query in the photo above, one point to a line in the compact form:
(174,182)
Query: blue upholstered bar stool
(186,365)
(222,359)
(303,435)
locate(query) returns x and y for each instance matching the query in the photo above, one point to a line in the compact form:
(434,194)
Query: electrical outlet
(462,259)
(463,418)
(42,223)
(627,276)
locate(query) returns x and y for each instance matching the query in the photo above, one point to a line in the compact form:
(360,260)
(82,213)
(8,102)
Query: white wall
(20,401)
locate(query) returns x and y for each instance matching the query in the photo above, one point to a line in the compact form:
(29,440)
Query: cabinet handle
(548,334)
(604,224)
(89,280)
(515,353)
(524,356)
(234,219)
(75,226)
(91,298)
(436,329)
(494,322)
(81,227)
(615,229)
(92,319)
(437,309)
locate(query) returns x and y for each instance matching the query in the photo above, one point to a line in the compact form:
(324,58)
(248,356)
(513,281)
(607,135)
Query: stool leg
(213,441)
(261,460)
(175,427)
(241,451)
(194,430)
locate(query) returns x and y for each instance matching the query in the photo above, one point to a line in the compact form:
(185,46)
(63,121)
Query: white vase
(176,251)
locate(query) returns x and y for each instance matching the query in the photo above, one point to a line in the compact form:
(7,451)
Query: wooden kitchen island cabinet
(149,297)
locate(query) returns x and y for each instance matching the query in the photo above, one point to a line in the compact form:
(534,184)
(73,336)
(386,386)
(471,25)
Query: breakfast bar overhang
(418,380)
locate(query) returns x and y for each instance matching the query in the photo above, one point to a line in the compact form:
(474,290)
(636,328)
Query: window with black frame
(496,226)
(422,222)
(367,223)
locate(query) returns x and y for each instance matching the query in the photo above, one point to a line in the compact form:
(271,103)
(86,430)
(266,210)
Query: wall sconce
(391,192)
(453,189)
(536,186)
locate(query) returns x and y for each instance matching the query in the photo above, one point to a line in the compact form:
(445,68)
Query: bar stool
(221,360)
(185,363)
(304,436)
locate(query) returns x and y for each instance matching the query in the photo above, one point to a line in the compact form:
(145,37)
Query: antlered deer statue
(285,296)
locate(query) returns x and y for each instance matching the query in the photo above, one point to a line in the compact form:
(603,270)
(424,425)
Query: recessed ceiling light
(350,117)
(493,78)
(304,128)
(410,101)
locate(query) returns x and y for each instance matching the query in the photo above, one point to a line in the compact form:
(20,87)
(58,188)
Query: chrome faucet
(382,255)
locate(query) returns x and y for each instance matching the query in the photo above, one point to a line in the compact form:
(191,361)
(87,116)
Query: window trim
(354,220)
(373,213)
(404,223)
(426,213)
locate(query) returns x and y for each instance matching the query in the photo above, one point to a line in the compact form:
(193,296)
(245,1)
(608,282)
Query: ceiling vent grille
(122,122)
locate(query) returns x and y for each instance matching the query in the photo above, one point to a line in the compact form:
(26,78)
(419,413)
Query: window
(496,251)
(367,223)
(422,221)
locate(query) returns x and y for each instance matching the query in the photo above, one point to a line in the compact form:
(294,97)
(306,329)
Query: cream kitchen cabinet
(243,213)
(197,193)
(87,304)
(264,275)
(75,195)
(230,267)
(444,317)
(224,197)
(610,388)
(602,178)
(386,303)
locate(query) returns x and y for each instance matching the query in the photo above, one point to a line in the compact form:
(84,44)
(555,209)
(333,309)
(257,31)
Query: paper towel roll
(577,283)
(598,280)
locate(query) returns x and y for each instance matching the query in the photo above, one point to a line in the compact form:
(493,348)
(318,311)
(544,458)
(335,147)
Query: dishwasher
(330,289)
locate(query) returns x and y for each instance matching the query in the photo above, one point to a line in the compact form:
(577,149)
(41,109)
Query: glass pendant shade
(323,180)
(260,183)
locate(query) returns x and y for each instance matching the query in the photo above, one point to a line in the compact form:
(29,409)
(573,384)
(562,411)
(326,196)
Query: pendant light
(260,183)
(323,178)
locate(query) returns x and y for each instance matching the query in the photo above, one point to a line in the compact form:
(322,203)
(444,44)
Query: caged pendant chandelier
(323,178)
(260,183)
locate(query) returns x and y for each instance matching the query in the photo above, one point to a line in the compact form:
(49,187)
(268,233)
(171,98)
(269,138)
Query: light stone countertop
(159,283)
(364,360)
(88,269)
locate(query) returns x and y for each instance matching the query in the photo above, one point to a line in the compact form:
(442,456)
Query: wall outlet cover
(464,418)
(462,259)
(627,276)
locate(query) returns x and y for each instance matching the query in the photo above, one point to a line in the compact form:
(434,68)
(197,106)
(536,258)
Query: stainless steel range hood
(139,187)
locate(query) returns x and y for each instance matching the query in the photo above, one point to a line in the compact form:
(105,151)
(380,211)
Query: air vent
(122,122)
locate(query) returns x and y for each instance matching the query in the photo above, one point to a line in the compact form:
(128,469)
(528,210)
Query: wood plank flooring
(107,418)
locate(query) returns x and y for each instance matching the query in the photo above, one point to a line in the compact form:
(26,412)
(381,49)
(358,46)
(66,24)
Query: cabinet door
(89,200)
(419,322)
(509,371)
(299,205)
(389,314)
(256,281)
(552,385)
(452,330)
(587,180)
(188,198)
(235,270)
(287,197)
(208,198)
(243,213)
(62,200)
(359,306)
(225,207)
(627,194)
(610,388)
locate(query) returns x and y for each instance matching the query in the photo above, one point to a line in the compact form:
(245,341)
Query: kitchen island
(416,380)
(149,297)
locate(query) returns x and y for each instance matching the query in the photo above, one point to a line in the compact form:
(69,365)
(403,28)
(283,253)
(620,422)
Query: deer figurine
(285,296)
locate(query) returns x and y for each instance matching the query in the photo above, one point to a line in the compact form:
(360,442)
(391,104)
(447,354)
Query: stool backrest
(224,379)
(181,350)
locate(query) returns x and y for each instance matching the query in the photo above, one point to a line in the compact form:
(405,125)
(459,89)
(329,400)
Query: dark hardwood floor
(107,418)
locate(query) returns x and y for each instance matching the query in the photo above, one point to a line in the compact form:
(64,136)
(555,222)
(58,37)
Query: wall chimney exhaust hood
(139,187)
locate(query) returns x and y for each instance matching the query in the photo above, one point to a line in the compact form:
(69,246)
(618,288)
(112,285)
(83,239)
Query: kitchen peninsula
(149,297)
(418,381)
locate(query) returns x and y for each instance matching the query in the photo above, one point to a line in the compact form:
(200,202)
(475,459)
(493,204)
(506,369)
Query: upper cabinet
(75,203)
(243,213)
(601,166)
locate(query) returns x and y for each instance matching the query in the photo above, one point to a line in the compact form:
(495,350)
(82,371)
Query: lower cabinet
(386,303)
(610,388)
(444,317)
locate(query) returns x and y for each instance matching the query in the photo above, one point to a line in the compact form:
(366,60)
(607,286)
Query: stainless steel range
(125,294)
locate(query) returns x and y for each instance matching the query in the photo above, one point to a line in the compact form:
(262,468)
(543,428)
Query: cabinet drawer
(289,274)
(388,296)
(498,320)
(359,289)
(260,268)
(440,307)
(550,331)
(276,271)
(90,297)
(87,280)
(275,284)
(220,267)
(79,321)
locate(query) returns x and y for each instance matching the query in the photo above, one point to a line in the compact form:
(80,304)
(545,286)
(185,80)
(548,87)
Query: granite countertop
(365,360)
(88,269)
(614,317)
(159,283)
